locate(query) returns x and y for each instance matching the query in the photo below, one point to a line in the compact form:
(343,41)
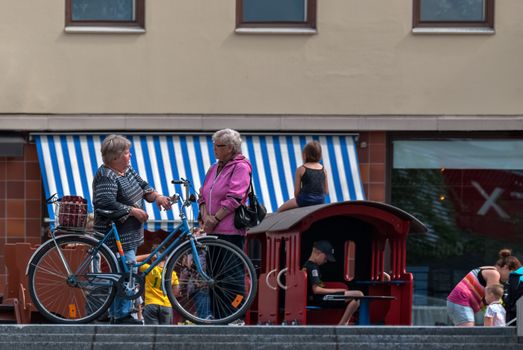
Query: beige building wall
(363,67)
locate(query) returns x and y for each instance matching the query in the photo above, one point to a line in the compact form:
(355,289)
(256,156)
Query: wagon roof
(285,220)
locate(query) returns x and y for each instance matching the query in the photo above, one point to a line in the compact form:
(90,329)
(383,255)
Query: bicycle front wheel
(221,298)
(79,297)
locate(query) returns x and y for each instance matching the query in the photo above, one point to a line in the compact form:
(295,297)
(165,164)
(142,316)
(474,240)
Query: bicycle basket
(71,212)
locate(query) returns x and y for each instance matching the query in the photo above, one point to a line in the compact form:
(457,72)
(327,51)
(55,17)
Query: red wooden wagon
(368,238)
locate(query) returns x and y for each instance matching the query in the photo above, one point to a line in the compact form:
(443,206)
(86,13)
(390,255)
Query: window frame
(488,23)
(310,23)
(139,22)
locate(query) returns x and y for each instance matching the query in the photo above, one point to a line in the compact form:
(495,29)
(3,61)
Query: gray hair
(113,146)
(229,137)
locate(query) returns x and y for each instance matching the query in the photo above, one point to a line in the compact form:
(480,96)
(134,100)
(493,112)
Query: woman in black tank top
(310,181)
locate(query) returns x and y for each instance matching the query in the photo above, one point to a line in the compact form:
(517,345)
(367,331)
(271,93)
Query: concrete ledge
(454,30)
(263,123)
(299,31)
(103,30)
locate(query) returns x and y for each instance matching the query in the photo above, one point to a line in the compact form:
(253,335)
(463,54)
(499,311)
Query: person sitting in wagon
(322,252)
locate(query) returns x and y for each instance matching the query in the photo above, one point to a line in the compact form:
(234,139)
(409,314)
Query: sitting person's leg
(290,204)
(352,306)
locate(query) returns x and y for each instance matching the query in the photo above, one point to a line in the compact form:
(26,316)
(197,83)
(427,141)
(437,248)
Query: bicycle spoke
(80,297)
(226,296)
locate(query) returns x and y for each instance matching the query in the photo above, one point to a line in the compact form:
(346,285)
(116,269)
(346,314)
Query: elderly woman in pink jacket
(226,184)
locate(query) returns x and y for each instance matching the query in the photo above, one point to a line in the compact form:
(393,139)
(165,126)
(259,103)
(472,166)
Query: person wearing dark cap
(322,252)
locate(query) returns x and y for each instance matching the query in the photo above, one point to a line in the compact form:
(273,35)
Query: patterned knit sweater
(114,192)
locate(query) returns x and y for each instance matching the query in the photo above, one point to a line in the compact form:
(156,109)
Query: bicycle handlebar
(189,197)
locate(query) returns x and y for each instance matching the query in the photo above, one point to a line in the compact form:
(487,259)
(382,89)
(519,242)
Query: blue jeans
(122,307)
(202,302)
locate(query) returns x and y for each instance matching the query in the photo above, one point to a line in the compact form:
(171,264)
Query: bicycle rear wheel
(78,298)
(222,299)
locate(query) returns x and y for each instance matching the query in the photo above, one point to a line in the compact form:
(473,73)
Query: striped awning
(68,163)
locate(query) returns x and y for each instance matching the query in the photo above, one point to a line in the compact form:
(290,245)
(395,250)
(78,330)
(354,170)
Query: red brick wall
(20,201)
(372,164)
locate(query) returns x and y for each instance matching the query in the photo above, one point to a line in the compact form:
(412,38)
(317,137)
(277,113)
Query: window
(105,13)
(454,13)
(284,14)
(11,145)
(469,193)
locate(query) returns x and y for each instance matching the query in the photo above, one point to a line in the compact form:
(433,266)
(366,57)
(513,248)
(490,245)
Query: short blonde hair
(496,290)
(229,137)
(113,146)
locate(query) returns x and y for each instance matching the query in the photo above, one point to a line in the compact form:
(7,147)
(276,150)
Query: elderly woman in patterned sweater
(117,186)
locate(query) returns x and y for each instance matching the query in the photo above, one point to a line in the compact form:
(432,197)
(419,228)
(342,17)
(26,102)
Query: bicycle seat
(111,214)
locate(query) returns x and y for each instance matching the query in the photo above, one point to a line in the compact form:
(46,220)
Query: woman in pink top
(224,187)
(468,297)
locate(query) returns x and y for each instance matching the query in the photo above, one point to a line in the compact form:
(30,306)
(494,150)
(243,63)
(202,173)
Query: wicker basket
(72,212)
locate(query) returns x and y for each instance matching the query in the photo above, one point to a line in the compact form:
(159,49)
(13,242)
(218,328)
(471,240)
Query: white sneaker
(238,322)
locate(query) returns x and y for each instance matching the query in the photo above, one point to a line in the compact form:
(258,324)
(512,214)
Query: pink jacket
(227,189)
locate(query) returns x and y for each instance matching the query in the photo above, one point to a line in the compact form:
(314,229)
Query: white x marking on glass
(490,201)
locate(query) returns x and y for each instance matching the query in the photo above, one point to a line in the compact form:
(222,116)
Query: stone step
(260,330)
(255,337)
(241,346)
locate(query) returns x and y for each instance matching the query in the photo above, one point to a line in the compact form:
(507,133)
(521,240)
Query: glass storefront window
(469,193)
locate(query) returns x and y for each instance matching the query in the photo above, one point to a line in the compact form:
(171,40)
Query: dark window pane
(103,10)
(452,10)
(274,10)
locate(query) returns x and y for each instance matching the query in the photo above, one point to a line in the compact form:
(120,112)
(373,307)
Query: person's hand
(163,202)
(139,214)
(197,231)
(385,277)
(209,223)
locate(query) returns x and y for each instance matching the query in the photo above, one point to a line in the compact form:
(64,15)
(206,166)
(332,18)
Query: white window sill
(104,30)
(453,30)
(300,31)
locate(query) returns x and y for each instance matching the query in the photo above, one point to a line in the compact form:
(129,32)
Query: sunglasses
(220,146)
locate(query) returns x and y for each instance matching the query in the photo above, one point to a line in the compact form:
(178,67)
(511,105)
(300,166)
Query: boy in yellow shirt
(158,308)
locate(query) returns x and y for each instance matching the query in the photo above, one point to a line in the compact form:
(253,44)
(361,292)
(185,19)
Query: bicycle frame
(182,230)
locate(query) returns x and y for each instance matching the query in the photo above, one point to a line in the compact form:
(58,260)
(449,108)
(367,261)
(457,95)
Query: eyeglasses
(219,146)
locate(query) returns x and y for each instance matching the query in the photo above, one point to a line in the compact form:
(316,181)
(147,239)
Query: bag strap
(249,190)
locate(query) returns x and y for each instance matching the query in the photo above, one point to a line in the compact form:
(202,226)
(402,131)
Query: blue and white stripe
(68,163)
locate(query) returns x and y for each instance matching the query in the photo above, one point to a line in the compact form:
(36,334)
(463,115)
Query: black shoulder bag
(251,215)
